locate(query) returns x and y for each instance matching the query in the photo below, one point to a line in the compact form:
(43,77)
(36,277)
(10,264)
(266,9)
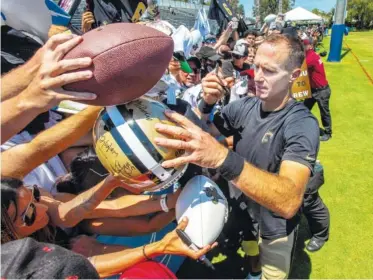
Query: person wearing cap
(193,78)
(193,82)
(177,67)
(236,66)
(184,65)
(209,41)
(239,56)
(208,57)
(320,89)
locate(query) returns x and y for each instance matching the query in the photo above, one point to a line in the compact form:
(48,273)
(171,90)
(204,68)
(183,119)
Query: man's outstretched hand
(200,147)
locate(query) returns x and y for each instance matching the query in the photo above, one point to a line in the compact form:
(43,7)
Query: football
(206,208)
(128,60)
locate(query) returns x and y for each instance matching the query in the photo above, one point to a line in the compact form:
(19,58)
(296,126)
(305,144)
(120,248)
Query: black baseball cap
(196,61)
(207,52)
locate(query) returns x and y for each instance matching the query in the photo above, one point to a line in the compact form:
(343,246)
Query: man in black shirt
(276,141)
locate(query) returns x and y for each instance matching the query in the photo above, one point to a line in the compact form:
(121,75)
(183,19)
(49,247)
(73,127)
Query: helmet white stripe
(136,146)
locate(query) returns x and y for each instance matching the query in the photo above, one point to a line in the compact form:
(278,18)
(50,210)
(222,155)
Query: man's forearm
(272,191)
(18,79)
(22,159)
(15,115)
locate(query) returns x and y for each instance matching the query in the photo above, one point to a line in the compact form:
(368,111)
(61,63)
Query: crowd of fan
(54,190)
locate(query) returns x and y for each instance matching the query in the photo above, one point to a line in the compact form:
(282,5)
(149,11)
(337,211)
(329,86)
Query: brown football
(128,60)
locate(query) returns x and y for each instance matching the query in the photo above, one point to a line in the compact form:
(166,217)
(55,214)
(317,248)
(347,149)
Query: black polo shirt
(265,140)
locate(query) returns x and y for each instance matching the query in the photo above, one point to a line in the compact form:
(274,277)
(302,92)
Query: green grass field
(348,163)
(348,190)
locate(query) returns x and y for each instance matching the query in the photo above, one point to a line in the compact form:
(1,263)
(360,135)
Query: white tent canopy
(300,14)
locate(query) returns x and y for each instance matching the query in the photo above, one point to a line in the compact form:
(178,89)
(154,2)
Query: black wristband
(232,166)
(205,108)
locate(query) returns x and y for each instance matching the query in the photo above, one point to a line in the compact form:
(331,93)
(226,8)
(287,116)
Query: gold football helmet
(124,142)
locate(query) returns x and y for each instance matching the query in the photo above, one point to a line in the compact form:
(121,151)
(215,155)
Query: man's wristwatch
(163,203)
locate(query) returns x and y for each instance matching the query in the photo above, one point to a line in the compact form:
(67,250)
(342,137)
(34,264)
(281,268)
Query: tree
(271,7)
(328,17)
(331,16)
(318,12)
(360,12)
(241,10)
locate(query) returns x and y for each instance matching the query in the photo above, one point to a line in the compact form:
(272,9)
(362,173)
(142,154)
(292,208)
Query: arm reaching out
(109,260)
(281,193)
(19,78)
(69,214)
(128,205)
(44,89)
(20,160)
(130,226)
(224,36)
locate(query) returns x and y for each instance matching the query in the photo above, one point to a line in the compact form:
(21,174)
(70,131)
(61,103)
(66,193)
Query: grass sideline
(348,163)
(348,191)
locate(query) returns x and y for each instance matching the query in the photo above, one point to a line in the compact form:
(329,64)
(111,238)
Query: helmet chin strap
(135,144)
(173,180)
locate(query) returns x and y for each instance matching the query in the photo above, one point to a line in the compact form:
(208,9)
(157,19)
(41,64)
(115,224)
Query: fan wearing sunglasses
(22,215)
(25,214)
(26,210)
(239,56)
(191,79)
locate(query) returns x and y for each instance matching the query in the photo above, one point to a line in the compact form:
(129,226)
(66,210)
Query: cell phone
(227,69)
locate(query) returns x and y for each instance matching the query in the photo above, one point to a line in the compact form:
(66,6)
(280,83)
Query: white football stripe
(136,146)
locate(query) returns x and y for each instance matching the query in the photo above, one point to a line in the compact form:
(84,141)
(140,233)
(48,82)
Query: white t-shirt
(239,89)
(46,174)
(191,95)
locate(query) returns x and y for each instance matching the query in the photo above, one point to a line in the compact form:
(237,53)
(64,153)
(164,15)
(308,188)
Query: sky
(325,5)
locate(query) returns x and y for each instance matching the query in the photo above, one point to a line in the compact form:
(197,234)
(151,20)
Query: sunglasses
(236,56)
(29,216)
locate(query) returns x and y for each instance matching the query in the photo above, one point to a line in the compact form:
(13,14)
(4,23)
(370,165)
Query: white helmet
(206,207)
